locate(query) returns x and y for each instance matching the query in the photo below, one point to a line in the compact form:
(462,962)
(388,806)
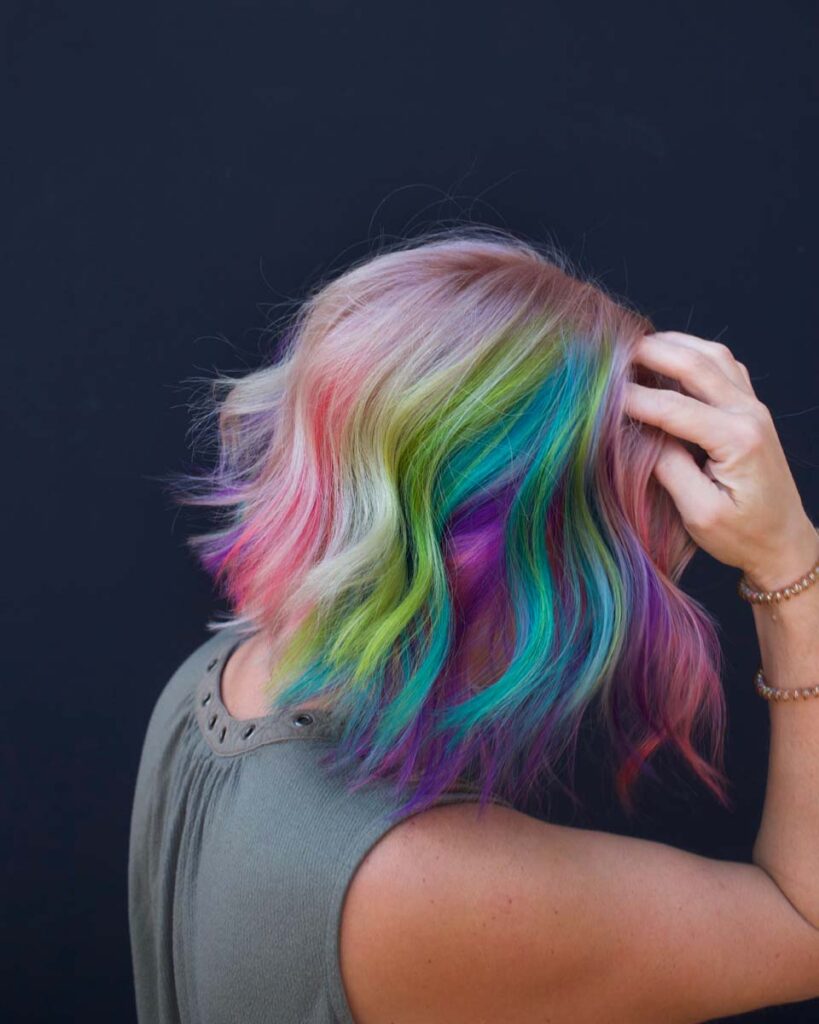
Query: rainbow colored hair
(432,502)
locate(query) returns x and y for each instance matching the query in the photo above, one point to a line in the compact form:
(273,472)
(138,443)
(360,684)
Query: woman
(451,518)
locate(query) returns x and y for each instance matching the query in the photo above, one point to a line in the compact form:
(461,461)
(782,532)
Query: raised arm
(750,515)
(454,918)
(787,845)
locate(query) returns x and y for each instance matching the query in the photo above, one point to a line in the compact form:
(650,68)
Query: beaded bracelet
(774,693)
(747,592)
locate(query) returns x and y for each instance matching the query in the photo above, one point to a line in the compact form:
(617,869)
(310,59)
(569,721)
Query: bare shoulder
(459,915)
(440,865)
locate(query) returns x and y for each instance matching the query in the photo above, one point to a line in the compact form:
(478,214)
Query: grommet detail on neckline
(227,736)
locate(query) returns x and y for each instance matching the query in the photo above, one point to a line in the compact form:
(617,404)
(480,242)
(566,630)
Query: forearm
(787,845)
(743,507)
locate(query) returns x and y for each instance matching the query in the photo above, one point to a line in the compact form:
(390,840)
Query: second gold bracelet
(775,693)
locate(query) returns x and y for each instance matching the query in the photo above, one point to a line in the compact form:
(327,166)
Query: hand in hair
(742,506)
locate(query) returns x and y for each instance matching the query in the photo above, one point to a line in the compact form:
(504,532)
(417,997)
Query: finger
(713,429)
(731,366)
(747,377)
(699,373)
(718,351)
(690,489)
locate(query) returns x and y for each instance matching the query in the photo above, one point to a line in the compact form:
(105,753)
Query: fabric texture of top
(240,854)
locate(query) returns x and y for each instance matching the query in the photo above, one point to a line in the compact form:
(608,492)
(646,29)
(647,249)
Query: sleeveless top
(241,850)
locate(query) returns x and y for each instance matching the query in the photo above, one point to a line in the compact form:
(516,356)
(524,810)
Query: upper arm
(453,917)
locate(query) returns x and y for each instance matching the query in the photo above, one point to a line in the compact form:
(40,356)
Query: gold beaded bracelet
(747,592)
(774,693)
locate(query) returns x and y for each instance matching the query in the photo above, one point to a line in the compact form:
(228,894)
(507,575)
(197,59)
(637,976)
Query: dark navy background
(175,171)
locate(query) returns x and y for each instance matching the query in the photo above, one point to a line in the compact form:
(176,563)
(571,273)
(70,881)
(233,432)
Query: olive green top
(241,850)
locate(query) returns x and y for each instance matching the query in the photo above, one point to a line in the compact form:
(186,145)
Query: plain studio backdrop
(174,172)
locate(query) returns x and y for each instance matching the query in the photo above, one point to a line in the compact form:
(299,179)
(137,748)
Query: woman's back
(260,890)
(241,850)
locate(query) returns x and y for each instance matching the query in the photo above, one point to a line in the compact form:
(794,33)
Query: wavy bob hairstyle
(433,504)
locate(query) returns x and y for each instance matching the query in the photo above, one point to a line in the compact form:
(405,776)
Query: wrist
(794,557)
